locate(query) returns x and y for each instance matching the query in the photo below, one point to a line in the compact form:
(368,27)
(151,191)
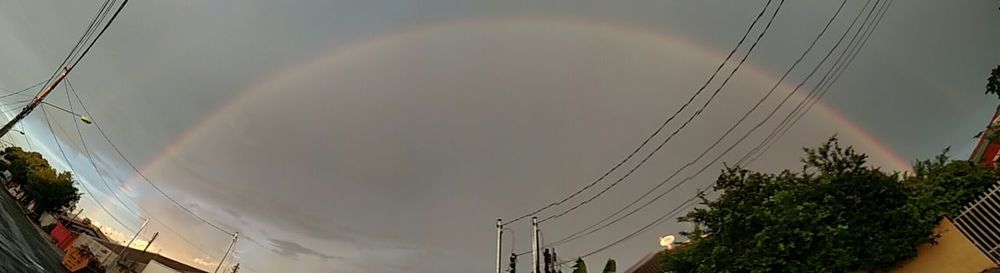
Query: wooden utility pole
(34,102)
(150,242)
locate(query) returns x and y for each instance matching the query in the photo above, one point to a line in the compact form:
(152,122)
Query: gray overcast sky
(387,136)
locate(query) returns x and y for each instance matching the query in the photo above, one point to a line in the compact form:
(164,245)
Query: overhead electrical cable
(683,125)
(70,165)
(660,128)
(883,8)
(785,125)
(591,229)
(90,156)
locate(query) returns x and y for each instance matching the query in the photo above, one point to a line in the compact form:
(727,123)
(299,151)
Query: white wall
(101,253)
(46,219)
(155,267)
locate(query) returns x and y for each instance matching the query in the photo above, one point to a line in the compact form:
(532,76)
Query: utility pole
(122,253)
(77,214)
(513,263)
(34,102)
(534,245)
(235,236)
(547,259)
(557,266)
(150,242)
(236,268)
(499,241)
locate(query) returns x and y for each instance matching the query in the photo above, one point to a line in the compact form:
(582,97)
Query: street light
(86,119)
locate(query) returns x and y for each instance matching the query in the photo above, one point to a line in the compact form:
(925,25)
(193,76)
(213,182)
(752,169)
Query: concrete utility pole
(129,242)
(235,236)
(534,245)
(34,102)
(122,253)
(499,241)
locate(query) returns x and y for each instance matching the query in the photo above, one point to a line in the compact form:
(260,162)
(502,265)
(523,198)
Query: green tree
(834,215)
(610,267)
(993,82)
(580,266)
(54,193)
(50,190)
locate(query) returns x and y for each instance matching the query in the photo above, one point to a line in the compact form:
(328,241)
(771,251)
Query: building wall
(63,236)
(46,219)
(155,267)
(102,254)
(953,253)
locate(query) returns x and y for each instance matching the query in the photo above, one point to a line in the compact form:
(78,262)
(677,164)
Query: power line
(683,125)
(589,230)
(83,141)
(838,66)
(143,176)
(89,31)
(672,212)
(62,70)
(26,139)
(23,90)
(585,232)
(99,34)
(70,165)
(772,138)
(662,125)
(85,36)
(11,111)
(99,17)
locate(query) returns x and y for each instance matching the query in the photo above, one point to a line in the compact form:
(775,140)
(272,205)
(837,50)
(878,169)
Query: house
(81,226)
(648,264)
(89,254)
(140,261)
(987,151)
(97,248)
(67,229)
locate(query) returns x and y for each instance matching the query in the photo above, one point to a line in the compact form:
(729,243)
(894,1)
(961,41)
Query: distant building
(139,261)
(67,229)
(987,152)
(653,262)
(649,264)
(101,254)
(81,226)
(88,254)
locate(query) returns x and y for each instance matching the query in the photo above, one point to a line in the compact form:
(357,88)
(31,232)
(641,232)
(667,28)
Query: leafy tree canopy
(580,266)
(51,191)
(993,82)
(611,266)
(834,215)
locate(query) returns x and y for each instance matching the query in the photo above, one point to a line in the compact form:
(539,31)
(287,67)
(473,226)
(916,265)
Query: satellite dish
(667,241)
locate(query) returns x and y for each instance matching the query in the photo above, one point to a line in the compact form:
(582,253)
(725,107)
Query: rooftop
(144,258)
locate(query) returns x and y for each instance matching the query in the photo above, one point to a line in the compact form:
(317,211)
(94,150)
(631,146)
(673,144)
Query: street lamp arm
(84,118)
